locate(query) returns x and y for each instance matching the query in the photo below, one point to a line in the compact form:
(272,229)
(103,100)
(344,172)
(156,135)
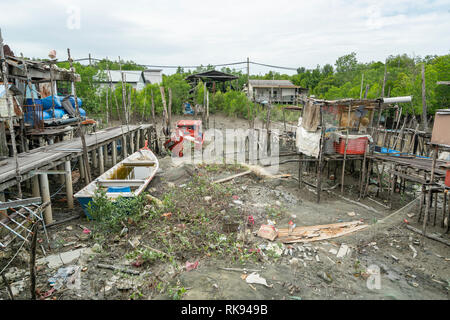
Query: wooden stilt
(444,206)
(94,159)
(69,187)
(81,168)
(101,160)
(300,170)
(427,207)
(33,262)
(35,186)
(43,179)
(114,153)
(106,156)
(138,139)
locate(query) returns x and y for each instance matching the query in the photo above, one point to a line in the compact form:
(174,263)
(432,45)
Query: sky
(172,32)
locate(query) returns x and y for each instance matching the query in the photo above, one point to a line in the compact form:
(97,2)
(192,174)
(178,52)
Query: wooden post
(101,160)
(33,262)
(165,113)
(69,187)
(35,186)
(94,158)
(138,139)
(319,166)
(363,171)
(114,152)
(106,156)
(424,100)
(81,168)
(132,145)
(124,147)
(43,178)
(345,150)
(10,115)
(169,110)
(428,198)
(83,140)
(300,170)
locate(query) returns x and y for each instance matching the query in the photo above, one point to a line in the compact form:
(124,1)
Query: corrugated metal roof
(116,76)
(274,83)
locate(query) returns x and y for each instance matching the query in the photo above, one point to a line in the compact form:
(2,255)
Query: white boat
(128,178)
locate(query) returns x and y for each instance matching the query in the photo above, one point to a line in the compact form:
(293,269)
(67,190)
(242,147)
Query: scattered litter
(275,248)
(410,215)
(59,259)
(191,266)
(333,251)
(97,248)
(317,258)
(342,251)
(295,298)
(238,202)
(124,231)
(351,214)
(256,278)
(64,276)
(86,231)
(207,198)
(319,232)
(168,215)
(69,228)
(324,276)
(244,276)
(267,232)
(394,257)
(414,251)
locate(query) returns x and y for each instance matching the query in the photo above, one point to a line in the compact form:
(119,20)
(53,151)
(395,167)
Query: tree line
(347,78)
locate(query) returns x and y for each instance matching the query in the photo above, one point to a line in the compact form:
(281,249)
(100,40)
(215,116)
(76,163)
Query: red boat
(185,129)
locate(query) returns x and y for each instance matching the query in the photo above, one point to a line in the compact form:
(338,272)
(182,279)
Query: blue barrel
(47,102)
(72,100)
(82,112)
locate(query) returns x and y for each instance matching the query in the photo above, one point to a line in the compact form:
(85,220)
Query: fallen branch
(121,269)
(239,270)
(233,176)
(430,236)
(62,221)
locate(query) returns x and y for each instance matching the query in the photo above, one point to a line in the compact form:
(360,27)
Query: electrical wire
(195,66)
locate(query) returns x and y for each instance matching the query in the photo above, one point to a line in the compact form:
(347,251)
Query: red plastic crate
(355,146)
(447,178)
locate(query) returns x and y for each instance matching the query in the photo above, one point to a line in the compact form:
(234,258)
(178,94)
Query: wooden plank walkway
(47,157)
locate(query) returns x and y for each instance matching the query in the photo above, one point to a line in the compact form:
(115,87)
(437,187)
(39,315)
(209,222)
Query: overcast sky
(286,33)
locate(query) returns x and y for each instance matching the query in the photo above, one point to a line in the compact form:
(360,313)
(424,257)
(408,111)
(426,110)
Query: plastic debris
(191,266)
(267,232)
(256,278)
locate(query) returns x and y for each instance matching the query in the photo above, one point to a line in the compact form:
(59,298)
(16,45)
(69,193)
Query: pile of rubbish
(64,109)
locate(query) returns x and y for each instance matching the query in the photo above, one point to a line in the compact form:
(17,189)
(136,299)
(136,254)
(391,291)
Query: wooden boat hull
(127,179)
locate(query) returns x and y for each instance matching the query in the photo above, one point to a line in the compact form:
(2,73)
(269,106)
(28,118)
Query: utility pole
(384,79)
(362,81)
(10,116)
(424,101)
(83,140)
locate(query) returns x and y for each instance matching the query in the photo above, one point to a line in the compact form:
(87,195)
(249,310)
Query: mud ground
(385,244)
